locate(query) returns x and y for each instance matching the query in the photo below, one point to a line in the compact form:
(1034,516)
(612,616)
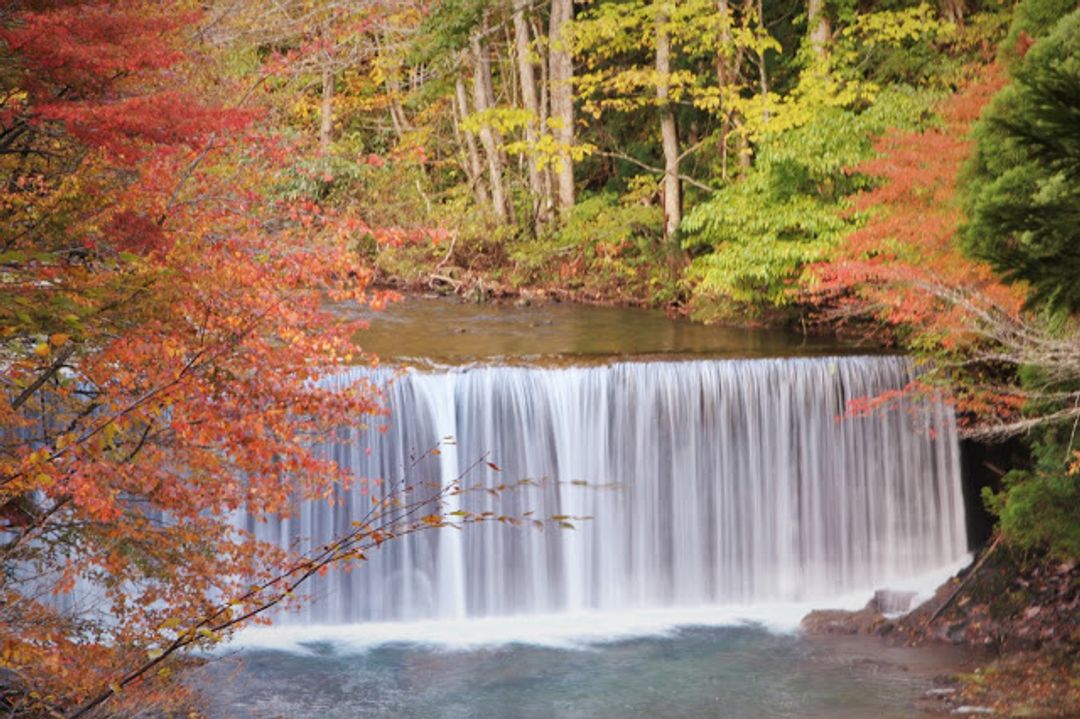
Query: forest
(193,189)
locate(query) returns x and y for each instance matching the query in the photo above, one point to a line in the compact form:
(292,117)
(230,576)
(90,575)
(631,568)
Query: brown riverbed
(447,330)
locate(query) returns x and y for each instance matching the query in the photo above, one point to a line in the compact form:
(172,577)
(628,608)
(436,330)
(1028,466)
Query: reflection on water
(446,330)
(739,672)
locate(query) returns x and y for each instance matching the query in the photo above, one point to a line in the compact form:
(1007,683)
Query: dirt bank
(1023,611)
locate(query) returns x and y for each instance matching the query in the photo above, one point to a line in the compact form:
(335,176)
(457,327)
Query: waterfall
(709,482)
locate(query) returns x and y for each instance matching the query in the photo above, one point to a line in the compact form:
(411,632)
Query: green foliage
(1039,509)
(1023,188)
(754,237)
(608,247)
(1034,19)
(902,45)
(445,30)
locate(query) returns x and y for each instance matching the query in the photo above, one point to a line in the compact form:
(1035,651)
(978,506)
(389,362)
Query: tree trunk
(398,118)
(482,102)
(527,79)
(817,25)
(742,147)
(763,80)
(728,67)
(547,176)
(953,10)
(725,58)
(562,97)
(326,125)
(473,167)
(668,131)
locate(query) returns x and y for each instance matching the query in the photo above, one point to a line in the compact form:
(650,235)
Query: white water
(737,485)
(564,630)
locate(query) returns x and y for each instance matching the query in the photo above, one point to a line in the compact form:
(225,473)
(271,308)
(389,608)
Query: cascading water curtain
(709,482)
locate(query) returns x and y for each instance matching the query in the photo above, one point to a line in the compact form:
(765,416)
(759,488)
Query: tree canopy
(188,190)
(1024,192)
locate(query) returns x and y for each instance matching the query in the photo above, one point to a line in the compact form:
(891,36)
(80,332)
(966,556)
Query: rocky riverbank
(1024,611)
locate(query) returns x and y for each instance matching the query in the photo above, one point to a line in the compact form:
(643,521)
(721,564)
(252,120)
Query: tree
(163,316)
(540,190)
(669,134)
(490,139)
(561,78)
(170,269)
(819,30)
(753,240)
(1023,197)
(900,262)
(473,167)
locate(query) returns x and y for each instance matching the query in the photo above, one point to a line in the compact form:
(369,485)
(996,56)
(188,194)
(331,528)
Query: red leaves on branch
(904,267)
(905,261)
(120,127)
(99,70)
(164,319)
(88,48)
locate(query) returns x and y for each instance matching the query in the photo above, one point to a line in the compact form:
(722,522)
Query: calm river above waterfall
(726,497)
(423,330)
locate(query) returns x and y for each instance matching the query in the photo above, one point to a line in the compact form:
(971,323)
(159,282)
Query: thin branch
(44,377)
(657,170)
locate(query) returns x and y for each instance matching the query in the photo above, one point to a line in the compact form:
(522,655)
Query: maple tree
(892,264)
(166,316)
(163,318)
(906,269)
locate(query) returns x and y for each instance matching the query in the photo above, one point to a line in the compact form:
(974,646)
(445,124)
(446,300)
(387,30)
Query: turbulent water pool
(726,494)
(734,672)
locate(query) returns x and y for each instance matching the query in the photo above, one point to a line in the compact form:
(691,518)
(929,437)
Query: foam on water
(566,630)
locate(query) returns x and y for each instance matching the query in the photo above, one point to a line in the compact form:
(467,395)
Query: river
(727,495)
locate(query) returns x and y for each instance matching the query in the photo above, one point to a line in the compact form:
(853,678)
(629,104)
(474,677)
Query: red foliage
(121,126)
(905,257)
(96,67)
(163,320)
(88,48)
(904,266)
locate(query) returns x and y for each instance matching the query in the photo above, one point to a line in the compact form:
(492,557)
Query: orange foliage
(163,321)
(908,247)
(904,266)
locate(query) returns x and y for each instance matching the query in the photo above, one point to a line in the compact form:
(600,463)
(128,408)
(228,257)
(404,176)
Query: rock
(835,621)
(968,709)
(956,633)
(522,302)
(891,601)
(941,692)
